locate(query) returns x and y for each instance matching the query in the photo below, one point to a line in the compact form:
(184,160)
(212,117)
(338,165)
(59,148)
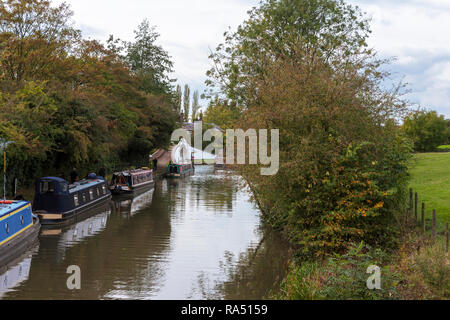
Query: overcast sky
(416,32)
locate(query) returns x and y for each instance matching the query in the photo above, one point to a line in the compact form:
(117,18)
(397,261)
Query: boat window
(46,187)
(21,220)
(84,197)
(91,194)
(7,227)
(104,189)
(75,200)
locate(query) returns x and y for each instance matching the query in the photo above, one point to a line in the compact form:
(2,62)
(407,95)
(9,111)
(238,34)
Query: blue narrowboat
(57,202)
(19,229)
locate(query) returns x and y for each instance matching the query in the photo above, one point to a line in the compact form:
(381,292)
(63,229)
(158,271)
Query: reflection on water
(18,272)
(197,238)
(130,205)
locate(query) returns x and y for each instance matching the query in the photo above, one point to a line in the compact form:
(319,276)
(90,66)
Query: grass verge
(430,177)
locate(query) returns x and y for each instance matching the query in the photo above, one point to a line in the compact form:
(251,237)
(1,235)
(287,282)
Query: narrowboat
(181,163)
(179,170)
(19,229)
(131,181)
(58,202)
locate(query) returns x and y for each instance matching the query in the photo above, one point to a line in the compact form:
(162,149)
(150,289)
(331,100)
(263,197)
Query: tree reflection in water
(253,275)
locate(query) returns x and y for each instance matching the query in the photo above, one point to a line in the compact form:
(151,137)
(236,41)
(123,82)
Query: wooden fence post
(433,228)
(411,199)
(423,217)
(416,200)
(446,234)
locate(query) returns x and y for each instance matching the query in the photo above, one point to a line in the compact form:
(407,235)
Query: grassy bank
(430,177)
(410,273)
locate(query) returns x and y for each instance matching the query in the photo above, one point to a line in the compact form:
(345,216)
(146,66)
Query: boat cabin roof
(84,184)
(11,207)
(62,186)
(133,172)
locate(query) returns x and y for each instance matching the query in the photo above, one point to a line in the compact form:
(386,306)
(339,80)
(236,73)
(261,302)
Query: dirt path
(164,157)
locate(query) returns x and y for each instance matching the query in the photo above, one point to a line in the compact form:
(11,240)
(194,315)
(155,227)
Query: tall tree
(148,60)
(178,99)
(195,105)
(275,30)
(186,102)
(302,67)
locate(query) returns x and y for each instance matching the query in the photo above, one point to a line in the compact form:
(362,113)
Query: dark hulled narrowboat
(56,201)
(181,163)
(179,170)
(131,181)
(19,229)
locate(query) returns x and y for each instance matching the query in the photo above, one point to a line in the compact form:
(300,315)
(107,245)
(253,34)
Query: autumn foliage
(303,67)
(69,102)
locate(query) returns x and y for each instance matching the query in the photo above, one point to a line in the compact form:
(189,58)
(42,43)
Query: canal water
(196,238)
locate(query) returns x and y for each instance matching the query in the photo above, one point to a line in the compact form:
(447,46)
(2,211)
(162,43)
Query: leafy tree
(68,102)
(303,67)
(223,114)
(31,28)
(427,129)
(448,131)
(275,30)
(149,61)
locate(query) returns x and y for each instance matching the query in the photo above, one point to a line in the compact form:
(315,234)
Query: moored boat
(19,229)
(181,164)
(179,170)
(57,202)
(131,181)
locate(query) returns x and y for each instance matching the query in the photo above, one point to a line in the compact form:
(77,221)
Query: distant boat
(19,229)
(57,202)
(181,164)
(131,181)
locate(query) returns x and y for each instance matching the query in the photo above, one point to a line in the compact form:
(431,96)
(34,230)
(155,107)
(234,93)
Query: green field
(430,177)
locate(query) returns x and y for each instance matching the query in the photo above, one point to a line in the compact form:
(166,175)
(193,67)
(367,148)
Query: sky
(415,32)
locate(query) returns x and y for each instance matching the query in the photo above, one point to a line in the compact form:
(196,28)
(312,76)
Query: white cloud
(416,32)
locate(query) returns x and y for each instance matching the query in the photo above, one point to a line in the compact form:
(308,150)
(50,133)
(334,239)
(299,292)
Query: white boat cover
(201,155)
(182,153)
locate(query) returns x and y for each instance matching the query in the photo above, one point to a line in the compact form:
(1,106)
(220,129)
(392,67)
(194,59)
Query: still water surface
(197,238)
